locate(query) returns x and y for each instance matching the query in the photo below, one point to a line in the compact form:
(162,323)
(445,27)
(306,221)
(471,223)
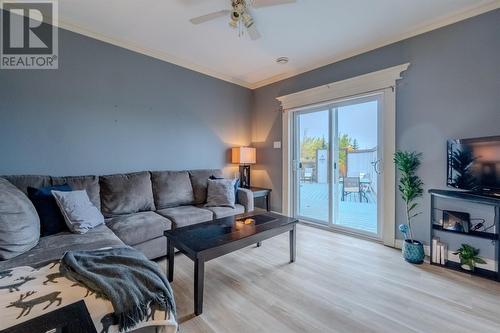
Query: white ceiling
(311,33)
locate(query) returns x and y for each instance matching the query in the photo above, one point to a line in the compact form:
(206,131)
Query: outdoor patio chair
(308,174)
(365,180)
(352,185)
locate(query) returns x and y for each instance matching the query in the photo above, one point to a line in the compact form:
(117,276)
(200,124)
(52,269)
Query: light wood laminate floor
(337,284)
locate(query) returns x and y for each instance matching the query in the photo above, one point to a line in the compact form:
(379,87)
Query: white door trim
(383,81)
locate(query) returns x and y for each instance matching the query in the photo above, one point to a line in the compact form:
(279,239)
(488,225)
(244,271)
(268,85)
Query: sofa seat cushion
(226,211)
(140,227)
(53,247)
(88,183)
(153,248)
(186,215)
(123,194)
(171,189)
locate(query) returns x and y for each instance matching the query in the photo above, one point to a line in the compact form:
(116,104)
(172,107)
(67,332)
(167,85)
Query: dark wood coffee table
(206,241)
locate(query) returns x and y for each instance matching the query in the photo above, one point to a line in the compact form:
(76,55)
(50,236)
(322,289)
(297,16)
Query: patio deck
(352,213)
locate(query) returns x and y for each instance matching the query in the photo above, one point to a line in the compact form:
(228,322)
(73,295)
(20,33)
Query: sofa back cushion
(19,222)
(171,189)
(22,182)
(199,181)
(126,193)
(88,183)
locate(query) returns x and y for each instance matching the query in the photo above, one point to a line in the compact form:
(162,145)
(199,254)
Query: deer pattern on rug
(16,285)
(26,293)
(26,305)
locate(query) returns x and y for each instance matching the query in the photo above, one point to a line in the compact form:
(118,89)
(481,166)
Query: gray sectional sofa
(138,208)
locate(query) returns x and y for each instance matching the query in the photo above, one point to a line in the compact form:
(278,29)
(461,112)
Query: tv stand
(490,194)
(473,197)
(492,198)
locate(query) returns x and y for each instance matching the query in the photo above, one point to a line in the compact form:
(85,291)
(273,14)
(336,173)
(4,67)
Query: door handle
(376,167)
(296,165)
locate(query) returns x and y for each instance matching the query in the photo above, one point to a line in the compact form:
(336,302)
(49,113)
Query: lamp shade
(243,155)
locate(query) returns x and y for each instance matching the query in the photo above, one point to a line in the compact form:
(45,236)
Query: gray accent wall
(107,110)
(451,90)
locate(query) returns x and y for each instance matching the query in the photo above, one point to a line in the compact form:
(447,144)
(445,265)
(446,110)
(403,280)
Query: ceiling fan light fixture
(235,16)
(282,60)
(240,16)
(233,24)
(247,20)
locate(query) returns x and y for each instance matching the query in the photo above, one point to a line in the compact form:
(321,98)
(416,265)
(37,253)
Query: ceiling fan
(240,16)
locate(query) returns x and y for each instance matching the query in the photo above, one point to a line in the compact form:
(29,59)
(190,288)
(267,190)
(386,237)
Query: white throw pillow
(79,213)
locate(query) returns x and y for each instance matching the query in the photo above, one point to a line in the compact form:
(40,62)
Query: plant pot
(413,251)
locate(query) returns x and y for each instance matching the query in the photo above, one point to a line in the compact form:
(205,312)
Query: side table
(260,192)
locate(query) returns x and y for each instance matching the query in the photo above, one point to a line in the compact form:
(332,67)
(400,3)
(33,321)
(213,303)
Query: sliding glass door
(357,175)
(313,165)
(337,167)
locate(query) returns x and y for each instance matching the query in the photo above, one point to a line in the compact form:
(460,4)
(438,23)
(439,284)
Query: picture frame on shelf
(456,221)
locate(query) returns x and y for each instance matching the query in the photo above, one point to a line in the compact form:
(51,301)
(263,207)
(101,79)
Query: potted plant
(411,188)
(469,257)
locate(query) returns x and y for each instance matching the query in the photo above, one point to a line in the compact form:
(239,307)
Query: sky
(359,121)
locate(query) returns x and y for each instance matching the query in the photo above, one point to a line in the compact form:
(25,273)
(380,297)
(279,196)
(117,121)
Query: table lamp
(244,156)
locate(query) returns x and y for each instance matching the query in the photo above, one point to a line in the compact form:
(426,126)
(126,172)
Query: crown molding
(150,52)
(423,28)
(420,29)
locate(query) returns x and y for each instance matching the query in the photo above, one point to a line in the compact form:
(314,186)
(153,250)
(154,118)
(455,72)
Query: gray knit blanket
(131,282)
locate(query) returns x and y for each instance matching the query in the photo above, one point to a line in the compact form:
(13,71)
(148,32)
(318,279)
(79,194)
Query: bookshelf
(486,236)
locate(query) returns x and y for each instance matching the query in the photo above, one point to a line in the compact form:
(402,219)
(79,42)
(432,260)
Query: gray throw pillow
(199,181)
(220,193)
(19,222)
(79,213)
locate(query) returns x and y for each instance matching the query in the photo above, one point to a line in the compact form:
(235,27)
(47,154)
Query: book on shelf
(439,252)
(434,249)
(444,251)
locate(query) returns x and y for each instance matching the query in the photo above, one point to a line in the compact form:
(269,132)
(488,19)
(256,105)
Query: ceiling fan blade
(253,32)
(268,3)
(209,17)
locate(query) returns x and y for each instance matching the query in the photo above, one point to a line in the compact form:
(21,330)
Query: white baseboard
(399,245)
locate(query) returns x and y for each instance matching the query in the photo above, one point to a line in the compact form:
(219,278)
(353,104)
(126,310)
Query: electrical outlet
(277,144)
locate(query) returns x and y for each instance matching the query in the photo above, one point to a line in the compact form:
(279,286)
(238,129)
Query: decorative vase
(413,251)
(466,267)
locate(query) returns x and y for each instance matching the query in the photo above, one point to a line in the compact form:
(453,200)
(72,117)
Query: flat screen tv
(474,164)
